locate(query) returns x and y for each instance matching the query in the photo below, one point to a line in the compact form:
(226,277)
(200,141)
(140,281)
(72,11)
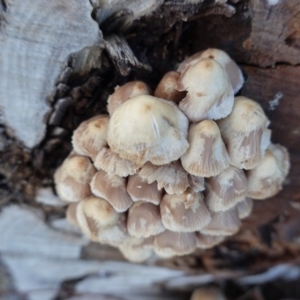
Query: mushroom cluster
(167,172)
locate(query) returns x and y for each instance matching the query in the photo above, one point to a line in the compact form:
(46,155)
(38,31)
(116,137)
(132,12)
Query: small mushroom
(172,177)
(139,190)
(244,208)
(245,133)
(153,125)
(204,241)
(90,137)
(169,243)
(166,89)
(111,188)
(125,92)
(223,223)
(72,178)
(207,155)
(226,189)
(113,164)
(184,213)
(209,91)
(144,220)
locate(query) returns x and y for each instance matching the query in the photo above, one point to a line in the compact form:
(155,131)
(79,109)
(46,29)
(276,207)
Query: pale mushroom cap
(111,188)
(205,293)
(244,208)
(153,125)
(140,190)
(71,214)
(209,91)
(206,155)
(226,189)
(196,183)
(166,89)
(223,223)
(205,241)
(245,133)
(172,177)
(266,179)
(144,220)
(168,243)
(282,157)
(113,164)
(125,92)
(184,213)
(90,137)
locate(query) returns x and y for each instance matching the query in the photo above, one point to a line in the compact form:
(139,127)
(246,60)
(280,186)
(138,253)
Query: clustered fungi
(169,173)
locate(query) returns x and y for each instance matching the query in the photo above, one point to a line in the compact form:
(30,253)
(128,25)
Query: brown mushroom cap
(111,188)
(207,155)
(153,125)
(125,92)
(90,137)
(209,91)
(205,241)
(144,220)
(226,189)
(184,213)
(245,133)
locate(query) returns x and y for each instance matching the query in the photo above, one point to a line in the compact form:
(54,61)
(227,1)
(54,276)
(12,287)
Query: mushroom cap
(245,133)
(90,137)
(209,91)
(196,183)
(206,155)
(226,189)
(111,188)
(127,91)
(184,213)
(113,164)
(140,190)
(166,88)
(153,125)
(244,208)
(144,220)
(71,214)
(282,157)
(172,177)
(205,241)
(169,243)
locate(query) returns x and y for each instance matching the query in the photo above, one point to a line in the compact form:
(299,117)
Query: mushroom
(205,241)
(71,214)
(125,92)
(234,72)
(144,220)
(244,208)
(153,125)
(208,293)
(72,178)
(111,188)
(207,155)
(172,177)
(196,183)
(169,243)
(90,137)
(209,91)
(184,213)
(225,190)
(245,133)
(139,190)
(113,164)
(166,89)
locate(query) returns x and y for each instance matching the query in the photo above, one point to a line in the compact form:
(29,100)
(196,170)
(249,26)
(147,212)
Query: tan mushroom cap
(144,220)
(209,91)
(226,189)
(140,190)
(153,125)
(223,223)
(208,293)
(184,213)
(137,250)
(205,241)
(169,243)
(125,92)
(94,213)
(72,178)
(111,188)
(266,179)
(207,155)
(244,208)
(166,89)
(245,133)
(90,137)
(172,177)
(113,164)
